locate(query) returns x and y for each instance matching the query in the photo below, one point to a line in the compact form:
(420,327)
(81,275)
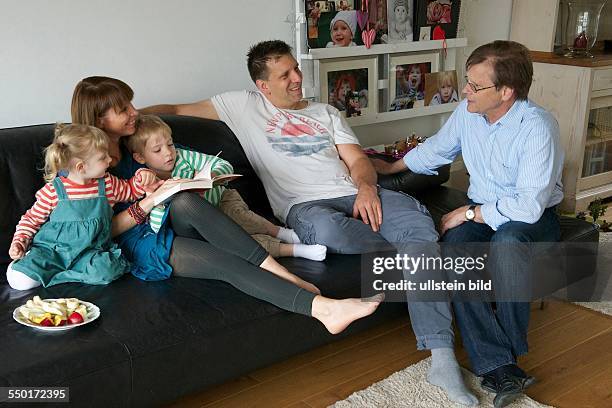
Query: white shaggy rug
(602,307)
(409,388)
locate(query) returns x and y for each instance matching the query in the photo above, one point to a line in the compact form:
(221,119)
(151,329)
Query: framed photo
(378,20)
(441,87)
(332,23)
(350,85)
(436,19)
(399,20)
(407,79)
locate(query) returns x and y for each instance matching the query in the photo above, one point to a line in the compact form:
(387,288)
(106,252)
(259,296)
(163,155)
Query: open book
(202,180)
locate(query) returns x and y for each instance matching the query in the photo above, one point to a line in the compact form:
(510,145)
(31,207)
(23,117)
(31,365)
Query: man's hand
(367,206)
(381,166)
(453,219)
(384,167)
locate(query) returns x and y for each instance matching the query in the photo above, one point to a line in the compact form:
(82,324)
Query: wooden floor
(571,356)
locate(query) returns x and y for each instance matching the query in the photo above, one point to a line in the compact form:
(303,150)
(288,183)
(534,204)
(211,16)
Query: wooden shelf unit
(570,88)
(310,59)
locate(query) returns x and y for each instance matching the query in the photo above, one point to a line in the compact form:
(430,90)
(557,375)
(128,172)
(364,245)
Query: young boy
(152,146)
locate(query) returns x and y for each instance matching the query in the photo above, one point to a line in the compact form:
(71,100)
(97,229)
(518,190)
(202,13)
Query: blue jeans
(495,338)
(405,221)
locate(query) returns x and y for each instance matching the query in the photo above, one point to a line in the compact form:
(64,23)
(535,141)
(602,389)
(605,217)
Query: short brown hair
(511,62)
(148,125)
(94,96)
(259,55)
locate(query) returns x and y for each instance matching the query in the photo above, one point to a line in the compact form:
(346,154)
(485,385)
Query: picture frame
(436,19)
(357,76)
(441,88)
(320,14)
(400,16)
(407,79)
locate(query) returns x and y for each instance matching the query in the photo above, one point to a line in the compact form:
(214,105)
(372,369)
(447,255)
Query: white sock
(314,252)
(288,235)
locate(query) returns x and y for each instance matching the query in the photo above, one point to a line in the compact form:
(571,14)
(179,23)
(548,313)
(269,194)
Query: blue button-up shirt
(515,164)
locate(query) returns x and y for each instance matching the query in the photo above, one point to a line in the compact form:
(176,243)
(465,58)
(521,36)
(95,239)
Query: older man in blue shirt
(511,149)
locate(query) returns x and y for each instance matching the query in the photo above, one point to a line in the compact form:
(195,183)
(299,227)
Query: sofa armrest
(409,182)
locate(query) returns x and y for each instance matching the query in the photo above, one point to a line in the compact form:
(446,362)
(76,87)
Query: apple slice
(75,318)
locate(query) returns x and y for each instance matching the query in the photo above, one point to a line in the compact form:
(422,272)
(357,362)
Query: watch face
(469,214)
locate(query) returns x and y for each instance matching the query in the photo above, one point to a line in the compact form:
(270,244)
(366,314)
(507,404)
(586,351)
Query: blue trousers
(495,338)
(405,221)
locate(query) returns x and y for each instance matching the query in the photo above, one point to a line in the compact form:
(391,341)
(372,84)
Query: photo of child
(343,28)
(378,20)
(409,86)
(399,18)
(348,84)
(314,10)
(344,5)
(441,87)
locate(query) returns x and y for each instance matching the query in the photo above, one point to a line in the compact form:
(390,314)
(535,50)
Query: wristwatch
(470,213)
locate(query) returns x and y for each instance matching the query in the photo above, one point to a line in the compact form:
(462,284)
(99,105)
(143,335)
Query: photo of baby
(348,87)
(343,28)
(441,87)
(409,86)
(399,20)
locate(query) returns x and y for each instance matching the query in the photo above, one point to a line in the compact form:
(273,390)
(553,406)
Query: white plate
(93,312)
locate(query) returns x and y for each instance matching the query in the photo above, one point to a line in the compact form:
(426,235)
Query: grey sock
(446,374)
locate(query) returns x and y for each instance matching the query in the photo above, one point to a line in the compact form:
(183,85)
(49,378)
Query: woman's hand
(161,187)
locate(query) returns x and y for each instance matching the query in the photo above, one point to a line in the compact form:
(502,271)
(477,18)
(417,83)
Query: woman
(197,240)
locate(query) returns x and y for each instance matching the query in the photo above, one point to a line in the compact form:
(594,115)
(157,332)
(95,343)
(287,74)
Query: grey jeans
(405,221)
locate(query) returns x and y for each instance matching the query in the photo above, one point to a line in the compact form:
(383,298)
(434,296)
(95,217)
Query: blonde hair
(72,142)
(147,126)
(94,96)
(446,77)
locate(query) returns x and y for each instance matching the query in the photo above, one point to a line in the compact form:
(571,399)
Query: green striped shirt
(188,163)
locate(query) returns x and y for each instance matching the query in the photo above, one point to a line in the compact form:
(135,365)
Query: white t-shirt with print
(292,151)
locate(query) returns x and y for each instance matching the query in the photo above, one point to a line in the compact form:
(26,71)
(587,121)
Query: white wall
(168,51)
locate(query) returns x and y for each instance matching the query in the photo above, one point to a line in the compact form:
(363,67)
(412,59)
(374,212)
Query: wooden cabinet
(578,92)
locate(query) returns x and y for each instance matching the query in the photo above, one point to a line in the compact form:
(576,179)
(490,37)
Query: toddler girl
(68,229)
(447,91)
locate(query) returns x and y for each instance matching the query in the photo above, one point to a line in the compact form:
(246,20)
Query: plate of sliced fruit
(56,314)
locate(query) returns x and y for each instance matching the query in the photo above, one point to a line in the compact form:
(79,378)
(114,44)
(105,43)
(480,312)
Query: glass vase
(581,26)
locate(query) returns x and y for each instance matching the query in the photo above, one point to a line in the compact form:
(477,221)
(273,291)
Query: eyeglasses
(475,88)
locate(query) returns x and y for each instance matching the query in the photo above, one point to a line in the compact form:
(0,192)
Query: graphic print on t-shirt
(296,135)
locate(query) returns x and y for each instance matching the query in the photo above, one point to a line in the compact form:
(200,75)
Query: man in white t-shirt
(321,184)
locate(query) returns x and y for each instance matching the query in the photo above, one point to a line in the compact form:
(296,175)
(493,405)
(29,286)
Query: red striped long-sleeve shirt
(117,190)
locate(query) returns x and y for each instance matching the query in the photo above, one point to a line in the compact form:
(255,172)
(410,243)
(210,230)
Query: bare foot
(337,314)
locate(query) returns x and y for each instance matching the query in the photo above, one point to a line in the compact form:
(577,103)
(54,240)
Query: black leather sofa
(158,341)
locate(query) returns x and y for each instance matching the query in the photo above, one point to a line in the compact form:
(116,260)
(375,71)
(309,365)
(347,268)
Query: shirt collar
(513,118)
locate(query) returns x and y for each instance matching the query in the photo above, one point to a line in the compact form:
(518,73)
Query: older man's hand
(453,219)
(381,166)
